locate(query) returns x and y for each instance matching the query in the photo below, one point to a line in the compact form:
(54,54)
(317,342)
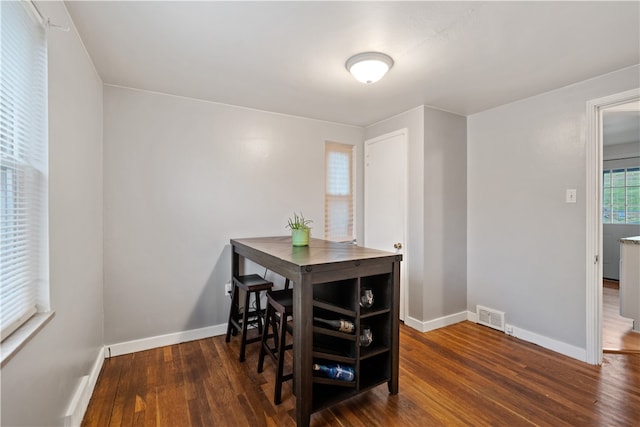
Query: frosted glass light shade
(369,67)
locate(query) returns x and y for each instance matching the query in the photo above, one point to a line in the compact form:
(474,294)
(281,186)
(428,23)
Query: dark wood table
(327,280)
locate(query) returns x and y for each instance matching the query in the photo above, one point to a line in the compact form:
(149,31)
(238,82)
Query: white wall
(445,214)
(526,246)
(615,153)
(436,244)
(413,121)
(39,381)
(184,176)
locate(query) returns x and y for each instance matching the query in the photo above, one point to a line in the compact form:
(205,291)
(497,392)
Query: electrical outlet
(508,329)
(227,289)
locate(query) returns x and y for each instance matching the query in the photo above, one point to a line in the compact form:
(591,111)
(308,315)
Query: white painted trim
(80,401)
(594,157)
(541,340)
(75,412)
(472,316)
(440,322)
(127,347)
(414,323)
(548,343)
(21,336)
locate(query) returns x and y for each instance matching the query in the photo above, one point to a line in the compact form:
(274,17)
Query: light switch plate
(571,195)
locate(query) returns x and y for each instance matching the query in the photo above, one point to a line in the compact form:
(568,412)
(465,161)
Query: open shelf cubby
(340,300)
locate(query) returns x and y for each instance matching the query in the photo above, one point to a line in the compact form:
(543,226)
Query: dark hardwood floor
(463,374)
(617,336)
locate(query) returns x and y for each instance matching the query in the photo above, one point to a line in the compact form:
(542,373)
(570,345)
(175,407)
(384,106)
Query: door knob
(398,245)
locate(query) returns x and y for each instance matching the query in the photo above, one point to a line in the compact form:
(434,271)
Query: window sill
(10,346)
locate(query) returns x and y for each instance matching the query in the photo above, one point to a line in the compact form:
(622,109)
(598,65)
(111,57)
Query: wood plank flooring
(617,335)
(464,374)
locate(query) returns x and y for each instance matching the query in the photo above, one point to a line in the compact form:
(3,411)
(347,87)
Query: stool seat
(251,284)
(282,301)
(279,308)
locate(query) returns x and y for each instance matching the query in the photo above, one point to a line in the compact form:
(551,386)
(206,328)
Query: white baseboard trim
(80,401)
(430,325)
(548,343)
(127,347)
(472,316)
(541,340)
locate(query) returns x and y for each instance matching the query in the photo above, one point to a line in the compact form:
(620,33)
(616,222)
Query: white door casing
(385,200)
(594,219)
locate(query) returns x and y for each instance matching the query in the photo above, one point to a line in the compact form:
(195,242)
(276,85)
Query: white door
(385,189)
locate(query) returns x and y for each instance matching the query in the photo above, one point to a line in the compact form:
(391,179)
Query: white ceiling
(288,57)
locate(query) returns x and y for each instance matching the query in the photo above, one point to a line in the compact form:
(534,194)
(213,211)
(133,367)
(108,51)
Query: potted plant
(300,230)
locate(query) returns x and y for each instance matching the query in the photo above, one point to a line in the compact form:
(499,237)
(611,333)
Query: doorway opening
(621,220)
(594,215)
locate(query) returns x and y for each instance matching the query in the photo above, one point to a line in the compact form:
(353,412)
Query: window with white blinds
(621,196)
(23,166)
(339,192)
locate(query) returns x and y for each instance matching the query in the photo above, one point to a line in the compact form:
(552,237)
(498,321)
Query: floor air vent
(491,318)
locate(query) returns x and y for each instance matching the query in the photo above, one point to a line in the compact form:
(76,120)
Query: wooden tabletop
(317,253)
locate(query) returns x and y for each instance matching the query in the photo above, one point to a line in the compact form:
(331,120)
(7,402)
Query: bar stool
(251,284)
(279,308)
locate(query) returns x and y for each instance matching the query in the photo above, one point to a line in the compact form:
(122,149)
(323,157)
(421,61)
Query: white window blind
(23,166)
(339,189)
(621,196)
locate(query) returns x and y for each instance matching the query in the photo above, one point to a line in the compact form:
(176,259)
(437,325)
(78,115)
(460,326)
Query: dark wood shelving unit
(341,300)
(328,278)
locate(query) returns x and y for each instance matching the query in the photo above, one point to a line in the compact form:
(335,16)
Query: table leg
(395,330)
(303,348)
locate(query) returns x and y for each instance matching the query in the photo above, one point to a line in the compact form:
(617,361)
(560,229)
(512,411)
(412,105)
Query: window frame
(608,203)
(24,172)
(332,199)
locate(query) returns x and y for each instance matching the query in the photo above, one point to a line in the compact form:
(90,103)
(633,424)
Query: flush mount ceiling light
(369,67)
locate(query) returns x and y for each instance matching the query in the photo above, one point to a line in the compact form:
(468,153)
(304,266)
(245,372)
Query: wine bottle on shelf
(366,336)
(340,325)
(366,298)
(335,371)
